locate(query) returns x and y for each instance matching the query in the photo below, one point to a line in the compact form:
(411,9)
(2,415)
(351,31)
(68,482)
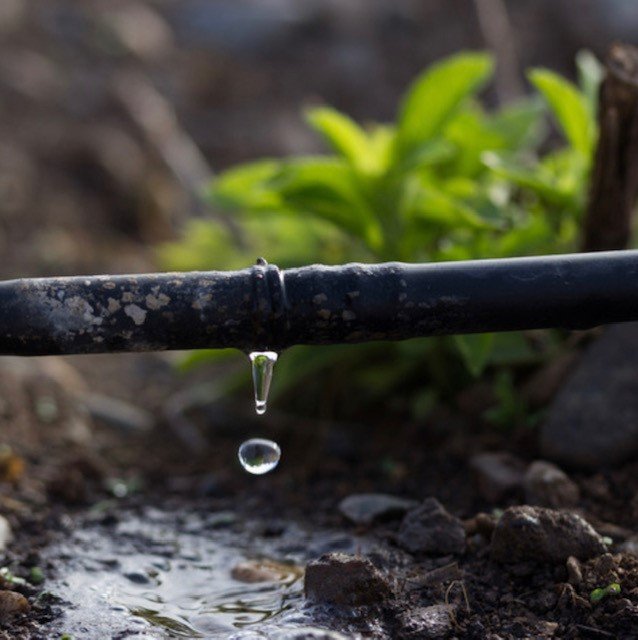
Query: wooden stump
(614,182)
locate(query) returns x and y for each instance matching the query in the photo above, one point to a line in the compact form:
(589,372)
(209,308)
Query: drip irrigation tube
(264,307)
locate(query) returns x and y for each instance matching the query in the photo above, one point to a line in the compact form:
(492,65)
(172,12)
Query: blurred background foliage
(449,180)
(112,115)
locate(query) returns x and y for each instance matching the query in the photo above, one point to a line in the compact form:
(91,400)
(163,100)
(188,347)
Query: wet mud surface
(153,573)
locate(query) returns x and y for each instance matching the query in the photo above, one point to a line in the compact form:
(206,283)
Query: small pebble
(340,579)
(574,571)
(137,577)
(430,529)
(367,508)
(629,546)
(427,623)
(12,603)
(536,534)
(497,474)
(546,485)
(5,533)
(481,523)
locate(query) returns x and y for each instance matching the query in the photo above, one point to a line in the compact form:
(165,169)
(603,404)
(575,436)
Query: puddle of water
(162,576)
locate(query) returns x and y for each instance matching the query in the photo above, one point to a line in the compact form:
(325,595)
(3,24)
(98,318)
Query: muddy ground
(70,477)
(113,478)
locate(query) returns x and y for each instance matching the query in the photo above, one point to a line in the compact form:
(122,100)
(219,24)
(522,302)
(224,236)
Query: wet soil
(137,534)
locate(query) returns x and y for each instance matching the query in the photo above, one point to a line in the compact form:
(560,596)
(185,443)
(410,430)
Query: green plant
(602,592)
(8,576)
(36,576)
(449,180)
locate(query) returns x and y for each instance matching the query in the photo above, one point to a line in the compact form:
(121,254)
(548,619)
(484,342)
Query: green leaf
(513,348)
(426,155)
(471,133)
(382,142)
(36,576)
(436,94)
(529,178)
(426,203)
(519,123)
(246,187)
(602,592)
(590,76)
(287,239)
(328,189)
(344,136)
(528,237)
(570,109)
(475,349)
(204,245)
(193,359)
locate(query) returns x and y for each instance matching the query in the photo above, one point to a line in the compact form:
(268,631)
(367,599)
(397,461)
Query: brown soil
(320,465)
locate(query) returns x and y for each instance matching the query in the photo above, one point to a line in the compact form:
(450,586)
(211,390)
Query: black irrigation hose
(267,308)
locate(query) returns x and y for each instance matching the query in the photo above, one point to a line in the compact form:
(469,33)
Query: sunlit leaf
(569,107)
(527,177)
(246,187)
(590,75)
(436,94)
(520,123)
(430,204)
(328,189)
(345,137)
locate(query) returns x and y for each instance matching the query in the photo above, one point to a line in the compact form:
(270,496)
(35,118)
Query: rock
(5,533)
(543,535)
(337,578)
(546,485)
(629,546)
(431,529)
(11,604)
(594,418)
(137,577)
(482,524)
(367,508)
(498,474)
(574,571)
(427,623)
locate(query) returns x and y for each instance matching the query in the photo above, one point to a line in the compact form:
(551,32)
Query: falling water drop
(259,456)
(263,363)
